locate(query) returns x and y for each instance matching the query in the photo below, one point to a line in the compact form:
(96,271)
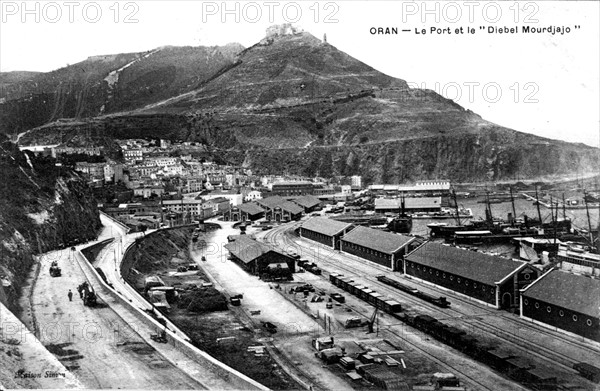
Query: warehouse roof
(570,291)
(270,202)
(374,239)
(277,201)
(289,206)
(252,208)
(307,201)
(247,249)
(325,226)
(487,269)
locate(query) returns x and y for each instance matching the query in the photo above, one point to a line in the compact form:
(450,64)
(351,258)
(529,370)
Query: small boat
(464,213)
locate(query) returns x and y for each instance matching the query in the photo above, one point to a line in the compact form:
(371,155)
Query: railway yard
(471,329)
(340,322)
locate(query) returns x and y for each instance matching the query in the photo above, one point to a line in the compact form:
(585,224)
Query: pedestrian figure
(70,294)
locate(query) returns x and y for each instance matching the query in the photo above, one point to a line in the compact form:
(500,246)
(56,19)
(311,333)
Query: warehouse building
(309,203)
(492,280)
(383,248)
(326,231)
(411,205)
(250,211)
(566,301)
(260,259)
(292,188)
(279,209)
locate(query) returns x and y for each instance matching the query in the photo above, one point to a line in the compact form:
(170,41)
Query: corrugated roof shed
(566,290)
(271,202)
(252,208)
(289,206)
(377,240)
(247,249)
(307,201)
(473,265)
(325,226)
(277,201)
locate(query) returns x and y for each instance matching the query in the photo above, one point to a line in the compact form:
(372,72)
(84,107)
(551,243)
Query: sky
(546,83)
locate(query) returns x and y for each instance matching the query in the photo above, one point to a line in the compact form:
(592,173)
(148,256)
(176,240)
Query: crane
(372,322)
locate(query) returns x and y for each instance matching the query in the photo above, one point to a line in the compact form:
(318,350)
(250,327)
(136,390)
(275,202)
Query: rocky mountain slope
(105,84)
(296,104)
(42,207)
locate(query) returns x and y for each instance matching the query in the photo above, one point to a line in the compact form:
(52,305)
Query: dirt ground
(94,343)
(204,329)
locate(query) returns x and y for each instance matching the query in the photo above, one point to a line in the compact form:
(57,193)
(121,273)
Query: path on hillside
(96,344)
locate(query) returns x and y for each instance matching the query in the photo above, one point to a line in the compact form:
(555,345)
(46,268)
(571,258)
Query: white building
(253,195)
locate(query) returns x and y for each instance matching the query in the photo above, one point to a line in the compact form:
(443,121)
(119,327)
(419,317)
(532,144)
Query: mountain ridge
(292,91)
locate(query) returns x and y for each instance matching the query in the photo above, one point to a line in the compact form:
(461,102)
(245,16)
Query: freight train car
(438,301)
(505,362)
(370,296)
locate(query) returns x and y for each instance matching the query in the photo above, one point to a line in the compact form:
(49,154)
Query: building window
(451,278)
(466,282)
(527,276)
(443,275)
(548,309)
(430,271)
(458,280)
(561,313)
(525,301)
(537,305)
(474,285)
(437,273)
(574,318)
(588,322)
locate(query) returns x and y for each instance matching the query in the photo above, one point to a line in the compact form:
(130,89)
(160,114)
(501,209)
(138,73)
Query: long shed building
(260,259)
(493,280)
(566,301)
(325,231)
(383,248)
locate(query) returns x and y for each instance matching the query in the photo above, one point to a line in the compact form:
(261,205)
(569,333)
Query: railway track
(472,381)
(522,345)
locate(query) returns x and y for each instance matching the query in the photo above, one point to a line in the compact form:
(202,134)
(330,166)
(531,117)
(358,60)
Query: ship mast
(565,208)
(512,200)
(537,201)
(456,206)
(488,208)
(587,210)
(554,218)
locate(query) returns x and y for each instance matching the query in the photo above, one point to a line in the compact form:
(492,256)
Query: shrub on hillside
(203,300)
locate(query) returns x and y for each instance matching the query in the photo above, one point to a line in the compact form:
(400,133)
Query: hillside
(42,207)
(296,104)
(105,84)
